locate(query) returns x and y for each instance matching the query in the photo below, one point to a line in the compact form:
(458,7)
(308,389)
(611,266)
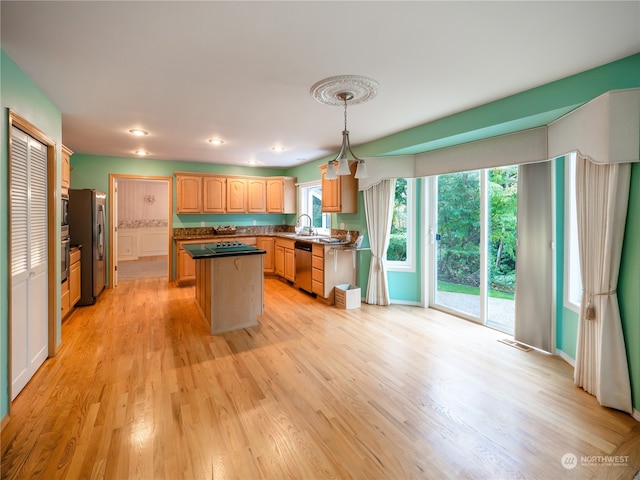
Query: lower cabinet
(185,265)
(317,270)
(268,245)
(74,277)
(66,306)
(70,290)
(285,261)
(330,267)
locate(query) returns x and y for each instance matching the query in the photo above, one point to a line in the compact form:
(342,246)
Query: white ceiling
(242,71)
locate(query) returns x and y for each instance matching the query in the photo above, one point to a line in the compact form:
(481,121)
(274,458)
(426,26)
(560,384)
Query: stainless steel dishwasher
(303,266)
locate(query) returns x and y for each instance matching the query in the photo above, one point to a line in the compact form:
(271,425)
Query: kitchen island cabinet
(229,284)
(185,265)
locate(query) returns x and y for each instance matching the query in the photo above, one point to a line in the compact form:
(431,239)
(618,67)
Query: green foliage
(397,250)
(459,228)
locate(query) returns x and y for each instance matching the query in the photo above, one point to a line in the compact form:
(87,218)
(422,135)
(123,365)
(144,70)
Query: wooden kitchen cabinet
(74,277)
(65,178)
(339,195)
(317,270)
(281,195)
(256,195)
(65,304)
(214,194)
(189,194)
(206,193)
(185,265)
(289,264)
(70,293)
(268,245)
(330,267)
(236,195)
(279,260)
(285,261)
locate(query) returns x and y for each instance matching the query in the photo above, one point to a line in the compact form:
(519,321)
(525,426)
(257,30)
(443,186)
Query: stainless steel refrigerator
(87,214)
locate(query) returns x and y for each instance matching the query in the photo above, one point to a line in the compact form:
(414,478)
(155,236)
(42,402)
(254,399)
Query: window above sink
(310,203)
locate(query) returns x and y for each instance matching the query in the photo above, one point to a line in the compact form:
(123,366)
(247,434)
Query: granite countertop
(207,233)
(217,249)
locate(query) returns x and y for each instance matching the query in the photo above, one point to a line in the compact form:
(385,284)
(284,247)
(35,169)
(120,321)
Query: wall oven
(65,239)
(64,210)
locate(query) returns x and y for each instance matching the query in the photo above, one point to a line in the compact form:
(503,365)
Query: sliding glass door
(457,243)
(474,240)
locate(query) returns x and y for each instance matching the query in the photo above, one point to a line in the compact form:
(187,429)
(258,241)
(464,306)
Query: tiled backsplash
(206,232)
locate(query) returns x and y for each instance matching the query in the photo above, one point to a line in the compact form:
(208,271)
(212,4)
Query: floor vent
(514,344)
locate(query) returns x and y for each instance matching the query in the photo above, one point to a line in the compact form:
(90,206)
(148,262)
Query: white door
(29,279)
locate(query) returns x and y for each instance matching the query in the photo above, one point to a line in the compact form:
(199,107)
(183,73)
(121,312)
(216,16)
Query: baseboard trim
(405,302)
(566,357)
(636,414)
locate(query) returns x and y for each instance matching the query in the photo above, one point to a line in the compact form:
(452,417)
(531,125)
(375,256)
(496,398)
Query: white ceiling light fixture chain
(342,90)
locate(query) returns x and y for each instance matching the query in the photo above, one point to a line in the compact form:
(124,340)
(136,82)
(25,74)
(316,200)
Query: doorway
(141,225)
(474,252)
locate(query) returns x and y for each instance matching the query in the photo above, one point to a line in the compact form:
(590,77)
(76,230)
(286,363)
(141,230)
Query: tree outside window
(397,251)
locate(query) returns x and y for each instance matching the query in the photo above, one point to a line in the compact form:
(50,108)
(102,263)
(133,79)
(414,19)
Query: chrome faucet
(310,222)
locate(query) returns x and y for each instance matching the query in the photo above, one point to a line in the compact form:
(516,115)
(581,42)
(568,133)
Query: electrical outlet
(254,223)
(202,224)
(341,225)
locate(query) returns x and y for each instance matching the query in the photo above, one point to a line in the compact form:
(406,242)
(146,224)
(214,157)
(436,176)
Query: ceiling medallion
(329,90)
(341,91)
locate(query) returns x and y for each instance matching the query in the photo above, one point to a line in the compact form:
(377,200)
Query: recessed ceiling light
(278,149)
(216,141)
(138,133)
(141,153)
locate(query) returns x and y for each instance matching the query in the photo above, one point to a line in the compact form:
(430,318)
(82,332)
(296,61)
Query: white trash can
(347,296)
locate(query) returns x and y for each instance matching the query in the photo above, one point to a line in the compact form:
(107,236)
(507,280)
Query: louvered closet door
(28,210)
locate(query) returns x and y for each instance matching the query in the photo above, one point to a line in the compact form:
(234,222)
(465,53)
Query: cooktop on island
(218,249)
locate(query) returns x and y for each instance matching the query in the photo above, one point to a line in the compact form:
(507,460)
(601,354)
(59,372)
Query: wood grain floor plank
(140,390)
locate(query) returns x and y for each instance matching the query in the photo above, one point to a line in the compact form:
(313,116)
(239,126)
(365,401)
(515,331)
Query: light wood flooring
(141,391)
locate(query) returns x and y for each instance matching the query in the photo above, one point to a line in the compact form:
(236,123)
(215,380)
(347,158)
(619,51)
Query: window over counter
(310,196)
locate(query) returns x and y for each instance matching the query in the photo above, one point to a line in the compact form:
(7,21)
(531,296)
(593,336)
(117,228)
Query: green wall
(91,171)
(20,95)
(629,285)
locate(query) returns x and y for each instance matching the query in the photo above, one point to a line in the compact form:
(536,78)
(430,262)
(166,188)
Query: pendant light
(342,90)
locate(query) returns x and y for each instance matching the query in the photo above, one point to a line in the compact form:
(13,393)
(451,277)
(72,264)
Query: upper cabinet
(256,195)
(206,193)
(281,195)
(236,195)
(65,179)
(189,194)
(341,194)
(214,194)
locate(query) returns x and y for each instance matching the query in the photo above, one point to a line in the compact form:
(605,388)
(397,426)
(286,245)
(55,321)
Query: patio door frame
(431,264)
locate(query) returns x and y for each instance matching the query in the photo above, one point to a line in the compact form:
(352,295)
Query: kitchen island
(229,284)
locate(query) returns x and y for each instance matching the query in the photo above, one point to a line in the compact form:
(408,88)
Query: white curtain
(378,206)
(602,193)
